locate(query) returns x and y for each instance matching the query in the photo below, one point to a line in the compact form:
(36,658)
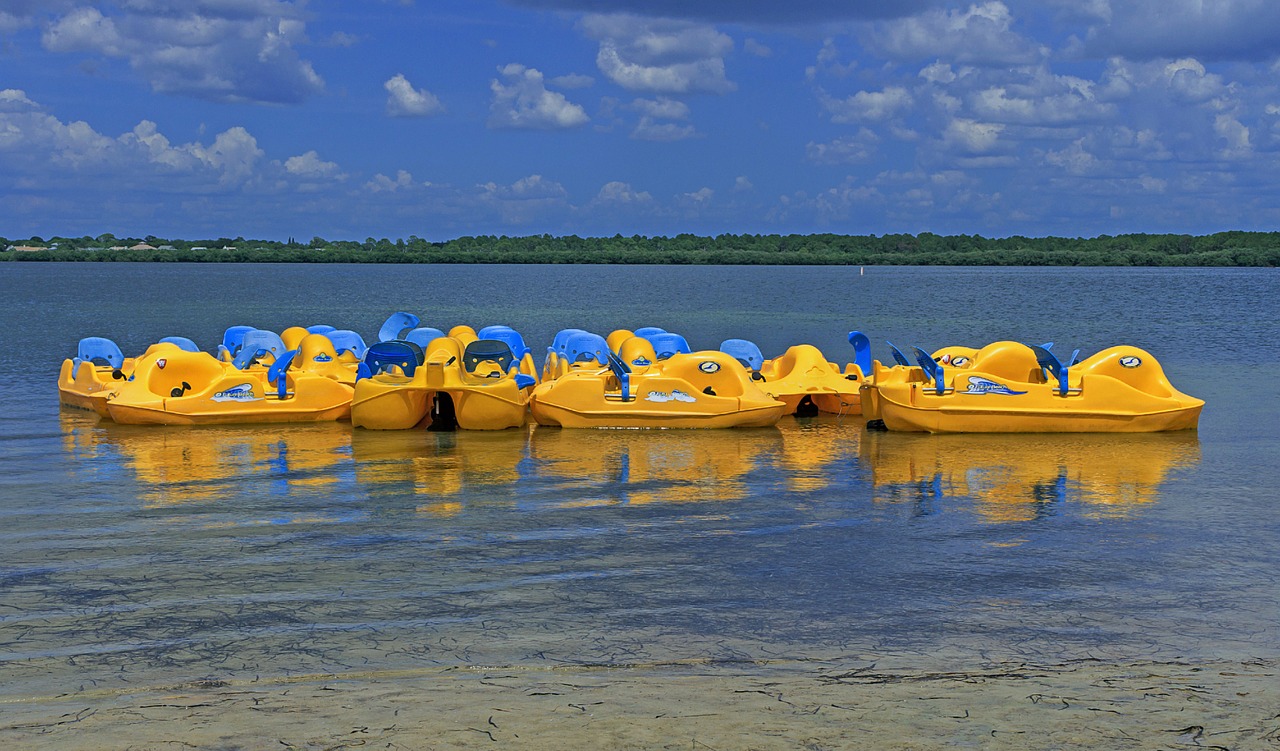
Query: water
(133,558)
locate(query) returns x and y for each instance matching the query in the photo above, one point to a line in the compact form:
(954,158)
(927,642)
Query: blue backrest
(744,351)
(232,339)
(396,325)
(100,348)
(1051,364)
(487,350)
(645,331)
(487,330)
(509,336)
(256,343)
(932,369)
(276,373)
(404,355)
(562,339)
(667,344)
(623,373)
(585,347)
(350,341)
(423,336)
(861,351)
(320,328)
(898,357)
(182,342)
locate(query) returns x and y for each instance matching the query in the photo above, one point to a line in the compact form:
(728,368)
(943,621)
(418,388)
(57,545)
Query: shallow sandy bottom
(808,704)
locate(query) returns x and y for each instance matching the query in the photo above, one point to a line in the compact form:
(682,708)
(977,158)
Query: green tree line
(1219,249)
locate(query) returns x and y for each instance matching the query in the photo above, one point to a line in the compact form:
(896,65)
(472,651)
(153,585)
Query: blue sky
(391,118)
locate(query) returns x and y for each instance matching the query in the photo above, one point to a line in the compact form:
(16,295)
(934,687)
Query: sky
(435,119)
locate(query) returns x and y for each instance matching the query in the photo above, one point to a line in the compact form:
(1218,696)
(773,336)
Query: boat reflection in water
(319,471)
(185,465)
(439,469)
(1019,477)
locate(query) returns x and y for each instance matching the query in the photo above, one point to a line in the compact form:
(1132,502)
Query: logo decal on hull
(979,385)
(676,395)
(322,357)
(241,393)
(709,366)
(1129,361)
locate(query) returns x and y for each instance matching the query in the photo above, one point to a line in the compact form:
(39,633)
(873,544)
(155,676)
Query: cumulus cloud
(220,51)
(972,136)
(618,192)
(310,165)
(745,11)
(383,184)
(868,106)
(844,150)
(405,101)
(522,101)
(1154,29)
(982,34)
(660,55)
(662,120)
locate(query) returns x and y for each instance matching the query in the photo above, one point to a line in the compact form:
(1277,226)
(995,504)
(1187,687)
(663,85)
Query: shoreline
(1083,703)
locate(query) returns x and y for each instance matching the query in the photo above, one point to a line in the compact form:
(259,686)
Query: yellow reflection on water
(1018,477)
(438,466)
(175,465)
(654,466)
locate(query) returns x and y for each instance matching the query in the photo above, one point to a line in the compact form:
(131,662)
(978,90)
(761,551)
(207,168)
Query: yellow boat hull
(1118,390)
(699,390)
(803,373)
(176,387)
(90,386)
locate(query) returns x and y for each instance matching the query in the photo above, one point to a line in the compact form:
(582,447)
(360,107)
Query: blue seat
(382,356)
(488,350)
(508,335)
(745,352)
(898,357)
(276,374)
(586,347)
(623,372)
(348,341)
(861,351)
(560,341)
(423,335)
(667,344)
(255,344)
(397,325)
(320,328)
(232,340)
(182,343)
(1054,368)
(645,332)
(98,348)
(933,369)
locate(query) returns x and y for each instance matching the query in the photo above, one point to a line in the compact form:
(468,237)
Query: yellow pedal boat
(448,384)
(804,380)
(97,371)
(1010,387)
(634,389)
(174,386)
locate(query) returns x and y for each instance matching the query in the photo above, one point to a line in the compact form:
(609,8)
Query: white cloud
(531,188)
(741,184)
(383,184)
(972,136)
(310,165)
(221,51)
(523,101)
(979,35)
(653,113)
(617,192)
(659,55)
(868,106)
(844,150)
(15,100)
(1156,29)
(573,81)
(405,101)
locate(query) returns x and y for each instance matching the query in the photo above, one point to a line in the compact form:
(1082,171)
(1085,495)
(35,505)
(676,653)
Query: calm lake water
(147,556)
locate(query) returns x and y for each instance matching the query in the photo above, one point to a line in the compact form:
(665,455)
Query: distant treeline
(1220,249)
